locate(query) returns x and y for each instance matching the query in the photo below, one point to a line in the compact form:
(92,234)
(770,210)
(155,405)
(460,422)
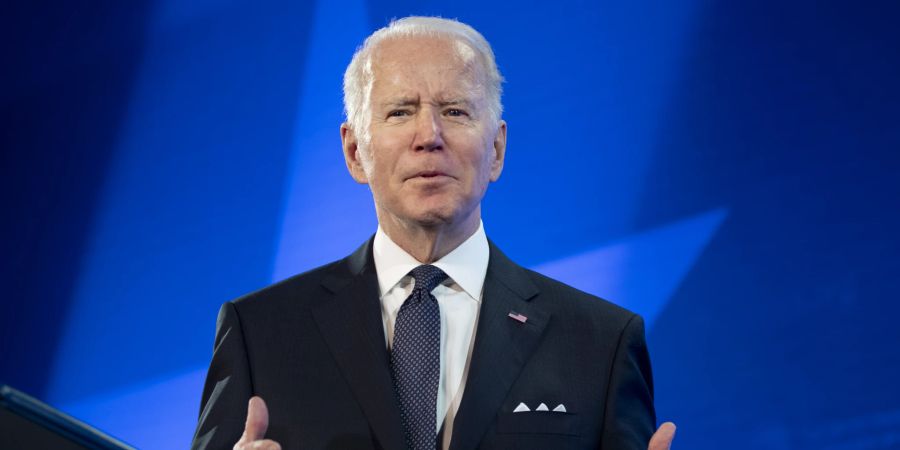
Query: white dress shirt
(459,298)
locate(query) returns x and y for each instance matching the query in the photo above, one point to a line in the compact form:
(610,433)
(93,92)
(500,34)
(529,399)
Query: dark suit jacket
(313,348)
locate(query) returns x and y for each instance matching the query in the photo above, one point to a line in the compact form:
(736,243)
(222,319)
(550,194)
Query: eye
(456,112)
(398,113)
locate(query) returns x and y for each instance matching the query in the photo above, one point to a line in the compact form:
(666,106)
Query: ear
(499,151)
(351,154)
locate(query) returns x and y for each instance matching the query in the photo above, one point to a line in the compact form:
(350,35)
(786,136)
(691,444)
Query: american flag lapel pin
(516,316)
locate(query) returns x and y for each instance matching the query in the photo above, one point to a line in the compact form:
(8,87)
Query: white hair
(358,77)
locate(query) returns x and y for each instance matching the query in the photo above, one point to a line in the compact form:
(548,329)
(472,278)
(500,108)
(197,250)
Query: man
(427,336)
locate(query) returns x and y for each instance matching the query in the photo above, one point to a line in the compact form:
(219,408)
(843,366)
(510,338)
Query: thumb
(257,420)
(662,439)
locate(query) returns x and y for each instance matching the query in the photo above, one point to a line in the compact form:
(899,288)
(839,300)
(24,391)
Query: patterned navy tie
(416,359)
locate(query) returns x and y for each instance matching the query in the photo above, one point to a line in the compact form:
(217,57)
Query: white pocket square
(542,407)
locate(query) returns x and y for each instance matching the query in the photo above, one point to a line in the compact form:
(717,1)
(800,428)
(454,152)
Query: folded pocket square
(542,407)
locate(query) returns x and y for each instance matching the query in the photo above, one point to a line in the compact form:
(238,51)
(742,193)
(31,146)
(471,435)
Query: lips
(429,174)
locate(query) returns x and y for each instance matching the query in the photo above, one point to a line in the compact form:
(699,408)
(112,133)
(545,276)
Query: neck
(429,243)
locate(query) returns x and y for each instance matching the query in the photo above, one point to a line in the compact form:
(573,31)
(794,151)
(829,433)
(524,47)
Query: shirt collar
(466,265)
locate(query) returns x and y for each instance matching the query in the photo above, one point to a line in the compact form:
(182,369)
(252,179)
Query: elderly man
(427,336)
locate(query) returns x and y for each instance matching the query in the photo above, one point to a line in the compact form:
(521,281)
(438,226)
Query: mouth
(428,174)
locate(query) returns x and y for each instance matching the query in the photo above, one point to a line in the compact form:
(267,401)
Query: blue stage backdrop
(729,170)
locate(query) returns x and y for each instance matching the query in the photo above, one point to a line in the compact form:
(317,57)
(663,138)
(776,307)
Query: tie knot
(428,277)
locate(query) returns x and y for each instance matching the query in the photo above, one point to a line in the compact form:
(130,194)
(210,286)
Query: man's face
(433,147)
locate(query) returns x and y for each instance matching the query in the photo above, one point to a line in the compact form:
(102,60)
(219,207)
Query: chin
(440,215)
(433,219)
(433,211)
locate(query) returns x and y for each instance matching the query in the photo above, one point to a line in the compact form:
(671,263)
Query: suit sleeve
(228,388)
(630,418)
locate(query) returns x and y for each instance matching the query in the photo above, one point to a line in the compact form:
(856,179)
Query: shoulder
(555,296)
(308,289)
(564,298)
(299,292)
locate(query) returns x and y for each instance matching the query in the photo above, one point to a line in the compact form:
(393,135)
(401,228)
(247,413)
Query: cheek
(381,162)
(387,145)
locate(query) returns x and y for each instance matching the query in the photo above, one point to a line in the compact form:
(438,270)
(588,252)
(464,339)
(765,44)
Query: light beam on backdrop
(642,271)
(324,209)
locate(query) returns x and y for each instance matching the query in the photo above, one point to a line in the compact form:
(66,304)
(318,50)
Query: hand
(662,439)
(255,428)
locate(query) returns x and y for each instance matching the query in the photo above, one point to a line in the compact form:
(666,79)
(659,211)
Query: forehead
(436,65)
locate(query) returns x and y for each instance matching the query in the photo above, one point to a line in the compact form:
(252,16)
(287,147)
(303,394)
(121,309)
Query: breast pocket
(538,422)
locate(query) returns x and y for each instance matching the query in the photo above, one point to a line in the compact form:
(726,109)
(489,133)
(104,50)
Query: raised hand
(662,439)
(255,428)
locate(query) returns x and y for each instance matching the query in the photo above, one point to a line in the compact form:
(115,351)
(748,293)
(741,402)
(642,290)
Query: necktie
(416,359)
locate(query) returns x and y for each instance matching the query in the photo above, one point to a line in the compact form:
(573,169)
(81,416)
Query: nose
(428,131)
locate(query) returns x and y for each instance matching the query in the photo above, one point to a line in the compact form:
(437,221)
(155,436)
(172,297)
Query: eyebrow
(454,102)
(411,101)
(402,101)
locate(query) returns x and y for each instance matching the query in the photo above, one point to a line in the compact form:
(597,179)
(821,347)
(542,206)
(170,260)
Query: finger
(257,421)
(662,439)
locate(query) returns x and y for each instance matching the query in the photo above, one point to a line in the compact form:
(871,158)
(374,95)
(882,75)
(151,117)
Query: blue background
(727,169)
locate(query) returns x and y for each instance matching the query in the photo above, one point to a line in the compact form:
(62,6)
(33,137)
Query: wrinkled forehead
(429,58)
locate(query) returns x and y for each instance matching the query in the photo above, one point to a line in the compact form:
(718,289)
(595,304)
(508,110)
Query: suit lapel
(502,347)
(352,327)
